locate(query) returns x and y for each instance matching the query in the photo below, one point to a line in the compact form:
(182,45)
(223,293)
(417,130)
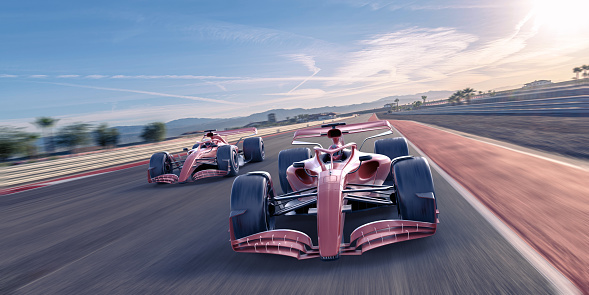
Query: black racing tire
(227,159)
(250,193)
(285,159)
(412,177)
(161,163)
(253,149)
(392,148)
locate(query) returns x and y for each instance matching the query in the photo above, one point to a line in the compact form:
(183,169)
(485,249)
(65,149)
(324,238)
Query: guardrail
(549,91)
(39,171)
(565,106)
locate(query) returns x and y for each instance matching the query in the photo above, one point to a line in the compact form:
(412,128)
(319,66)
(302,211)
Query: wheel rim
(263,152)
(167,166)
(267,216)
(235,163)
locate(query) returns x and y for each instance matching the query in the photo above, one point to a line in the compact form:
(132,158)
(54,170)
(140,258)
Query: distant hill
(177,127)
(403,99)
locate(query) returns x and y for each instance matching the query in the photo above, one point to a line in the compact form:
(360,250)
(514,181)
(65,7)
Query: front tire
(285,159)
(253,149)
(392,148)
(250,193)
(159,164)
(227,159)
(415,190)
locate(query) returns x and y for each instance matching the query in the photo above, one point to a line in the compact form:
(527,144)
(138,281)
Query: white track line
(561,284)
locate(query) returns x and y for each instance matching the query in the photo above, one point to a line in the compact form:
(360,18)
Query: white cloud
(245,34)
(151,93)
(138,77)
(420,55)
(309,63)
(180,77)
(218,85)
(411,59)
(307,60)
(376,4)
(423,5)
(455,6)
(401,56)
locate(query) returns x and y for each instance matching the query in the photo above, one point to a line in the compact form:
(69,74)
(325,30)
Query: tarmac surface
(115,233)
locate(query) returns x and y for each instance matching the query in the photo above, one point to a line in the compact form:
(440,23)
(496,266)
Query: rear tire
(412,177)
(227,159)
(253,149)
(392,148)
(161,164)
(285,159)
(250,193)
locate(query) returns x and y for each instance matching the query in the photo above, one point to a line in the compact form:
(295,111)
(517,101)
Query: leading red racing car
(337,180)
(209,157)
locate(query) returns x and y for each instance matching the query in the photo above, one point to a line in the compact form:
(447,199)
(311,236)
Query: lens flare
(563,17)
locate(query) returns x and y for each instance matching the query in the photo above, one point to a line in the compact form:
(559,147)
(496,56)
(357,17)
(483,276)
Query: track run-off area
(114,233)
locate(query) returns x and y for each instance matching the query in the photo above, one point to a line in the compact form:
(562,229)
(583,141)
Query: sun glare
(566,17)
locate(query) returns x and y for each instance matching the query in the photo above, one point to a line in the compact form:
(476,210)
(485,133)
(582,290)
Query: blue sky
(133,62)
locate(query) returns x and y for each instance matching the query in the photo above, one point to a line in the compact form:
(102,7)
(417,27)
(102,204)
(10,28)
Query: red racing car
(337,180)
(209,157)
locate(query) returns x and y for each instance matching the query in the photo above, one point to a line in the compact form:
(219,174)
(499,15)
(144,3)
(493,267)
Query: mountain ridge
(178,126)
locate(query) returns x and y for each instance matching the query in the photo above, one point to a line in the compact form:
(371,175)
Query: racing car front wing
(208,173)
(173,178)
(164,178)
(366,237)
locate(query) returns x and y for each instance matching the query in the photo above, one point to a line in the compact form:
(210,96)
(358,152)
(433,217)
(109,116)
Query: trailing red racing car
(337,180)
(209,157)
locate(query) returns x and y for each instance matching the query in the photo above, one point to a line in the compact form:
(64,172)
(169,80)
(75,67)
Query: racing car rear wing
(345,129)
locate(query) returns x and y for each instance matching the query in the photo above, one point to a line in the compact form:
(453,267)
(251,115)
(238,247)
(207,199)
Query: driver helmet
(338,155)
(206,143)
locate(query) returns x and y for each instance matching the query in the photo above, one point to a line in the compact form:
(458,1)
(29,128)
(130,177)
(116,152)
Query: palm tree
(456,97)
(577,70)
(585,69)
(467,93)
(44,123)
(397,101)
(424,97)
(452,98)
(73,135)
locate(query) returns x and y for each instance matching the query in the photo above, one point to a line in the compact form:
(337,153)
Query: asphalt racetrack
(117,234)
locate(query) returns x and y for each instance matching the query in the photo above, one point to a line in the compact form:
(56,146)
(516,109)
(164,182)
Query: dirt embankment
(568,136)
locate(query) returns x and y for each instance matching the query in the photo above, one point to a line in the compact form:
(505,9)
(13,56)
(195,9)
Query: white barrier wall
(38,171)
